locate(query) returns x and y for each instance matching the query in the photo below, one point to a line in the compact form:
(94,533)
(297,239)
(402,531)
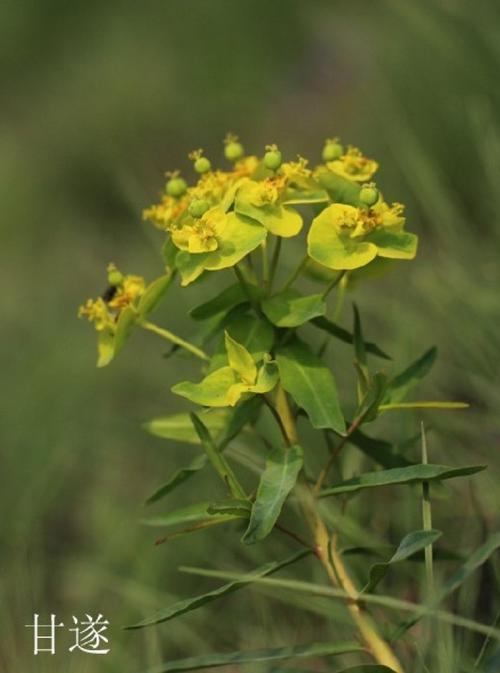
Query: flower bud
(272,158)
(115,277)
(332,150)
(233,149)
(368,195)
(198,207)
(176,186)
(202,165)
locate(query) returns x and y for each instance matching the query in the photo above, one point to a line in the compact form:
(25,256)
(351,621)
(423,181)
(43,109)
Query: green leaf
(232,506)
(105,348)
(232,296)
(180,428)
(252,656)
(191,514)
(379,450)
(279,477)
(124,326)
(240,360)
(153,294)
(290,309)
(363,384)
(401,475)
(344,335)
(181,607)
(409,545)
(401,384)
(311,385)
(211,391)
(245,412)
(218,461)
(178,478)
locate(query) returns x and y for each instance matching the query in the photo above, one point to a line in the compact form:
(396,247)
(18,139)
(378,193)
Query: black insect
(109,293)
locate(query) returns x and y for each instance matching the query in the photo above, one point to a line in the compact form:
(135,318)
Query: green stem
(265,263)
(246,289)
(328,554)
(333,283)
(173,338)
(274,261)
(296,273)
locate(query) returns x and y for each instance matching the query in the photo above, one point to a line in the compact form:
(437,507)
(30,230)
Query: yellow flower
(128,291)
(96,310)
(199,235)
(353,165)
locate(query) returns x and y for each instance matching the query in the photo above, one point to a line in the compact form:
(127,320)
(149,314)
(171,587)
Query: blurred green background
(99,99)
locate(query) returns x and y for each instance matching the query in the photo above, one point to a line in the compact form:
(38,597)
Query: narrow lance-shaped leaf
(232,296)
(218,461)
(311,384)
(401,384)
(400,475)
(379,450)
(181,607)
(409,545)
(178,478)
(278,479)
(186,515)
(242,657)
(180,427)
(367,668)
(344,335)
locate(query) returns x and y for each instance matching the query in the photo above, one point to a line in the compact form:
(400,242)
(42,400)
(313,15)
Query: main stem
(329,556)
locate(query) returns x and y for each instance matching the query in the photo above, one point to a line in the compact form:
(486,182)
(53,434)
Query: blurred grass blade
(190,604)
(424,405)
(401,384)
(344,335)
(367,668)
(409,545)
(475,561)
(242,657)
(279,477)
(400,475)
(218,461)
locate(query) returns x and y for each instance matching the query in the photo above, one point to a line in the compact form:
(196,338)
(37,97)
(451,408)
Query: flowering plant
(260,366)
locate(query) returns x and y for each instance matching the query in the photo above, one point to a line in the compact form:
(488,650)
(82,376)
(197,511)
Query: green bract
(344,237)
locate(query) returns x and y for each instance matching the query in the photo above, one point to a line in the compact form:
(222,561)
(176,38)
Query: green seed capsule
(368,195)
(198,207)
(332,151)
(273,159)
(115,277)
(233,151)
(176,187)
(202,165)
